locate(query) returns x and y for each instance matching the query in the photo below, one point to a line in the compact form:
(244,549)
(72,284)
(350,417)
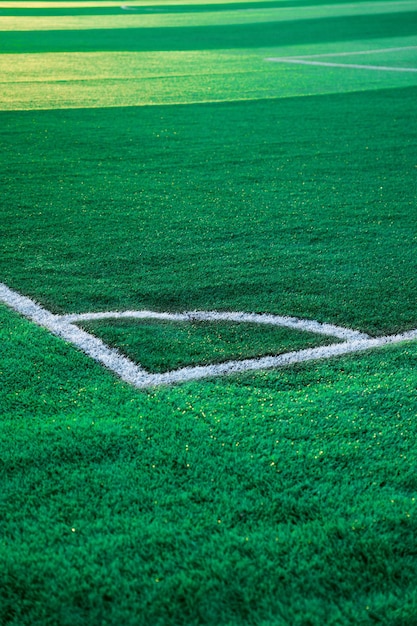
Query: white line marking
(300,59)
(355,66)
(216,316)
(356,52)
(274,362)
(62,326)
(95,348)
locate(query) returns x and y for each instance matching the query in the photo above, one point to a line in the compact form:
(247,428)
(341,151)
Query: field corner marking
(64,327)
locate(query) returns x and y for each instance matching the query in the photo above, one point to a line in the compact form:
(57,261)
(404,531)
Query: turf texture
(265,206)
(275,498)
(160,347)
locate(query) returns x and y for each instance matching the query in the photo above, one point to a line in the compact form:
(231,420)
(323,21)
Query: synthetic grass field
(254,157)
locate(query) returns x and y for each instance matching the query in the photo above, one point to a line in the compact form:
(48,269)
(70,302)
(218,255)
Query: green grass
(264,206)
(264,14)
(106,79)
(332,29)
(163,346)
(276,498)
(65,10)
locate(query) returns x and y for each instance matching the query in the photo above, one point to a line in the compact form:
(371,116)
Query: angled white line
(95,348)
(355,52)
(274,362)
(62,326)
(310,326)
(355,66)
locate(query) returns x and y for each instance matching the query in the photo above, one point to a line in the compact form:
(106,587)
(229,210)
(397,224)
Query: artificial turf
(262,35)
(268,206)
(276,498)
(69,9)
(163,346)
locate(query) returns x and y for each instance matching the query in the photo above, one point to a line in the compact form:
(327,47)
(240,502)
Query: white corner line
(275,362)
(130,372)
(355,66)
(295,323)
(90,345)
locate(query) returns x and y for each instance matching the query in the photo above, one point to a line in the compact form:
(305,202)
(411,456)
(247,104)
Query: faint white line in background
(356,52)
(383,68)
(301,60)
(130,372)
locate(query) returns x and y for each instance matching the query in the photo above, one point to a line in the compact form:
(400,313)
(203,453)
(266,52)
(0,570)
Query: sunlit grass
(114,3)
(111,79)
(128,19)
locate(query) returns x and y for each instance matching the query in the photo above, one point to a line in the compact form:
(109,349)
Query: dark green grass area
(285,498)
(169,8)
(309,31)
(163,346)
(302,207)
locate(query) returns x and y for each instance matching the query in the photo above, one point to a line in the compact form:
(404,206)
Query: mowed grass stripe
(203,18)
(93,80)
(114,3)
(26,9)
(332,29)
(109,8)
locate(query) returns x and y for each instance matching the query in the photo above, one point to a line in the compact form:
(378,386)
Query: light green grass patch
(210,18)
(111,79)
(74,4)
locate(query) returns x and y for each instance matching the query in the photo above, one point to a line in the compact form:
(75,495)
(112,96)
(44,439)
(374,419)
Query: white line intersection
(64,326)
